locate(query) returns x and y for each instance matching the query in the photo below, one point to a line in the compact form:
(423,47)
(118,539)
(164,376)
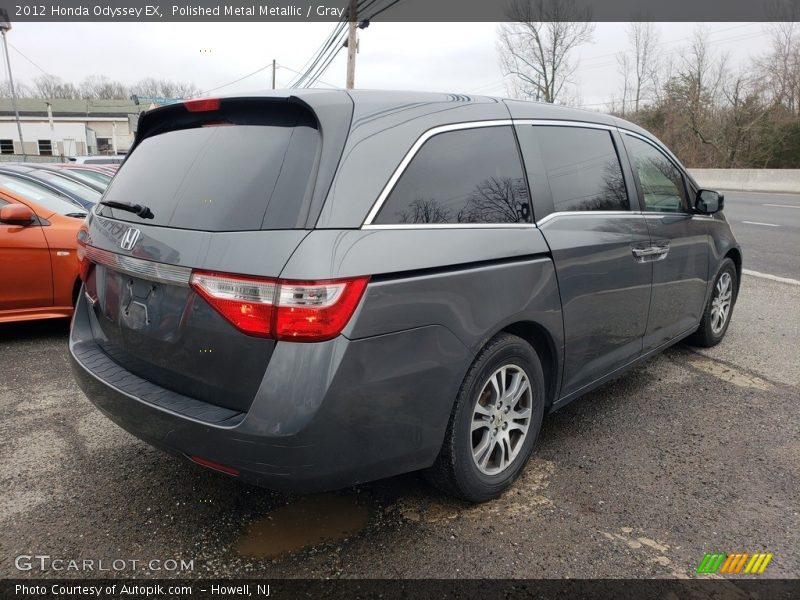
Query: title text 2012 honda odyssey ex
(312,289)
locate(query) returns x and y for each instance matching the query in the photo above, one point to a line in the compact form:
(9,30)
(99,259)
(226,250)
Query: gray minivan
(311,289)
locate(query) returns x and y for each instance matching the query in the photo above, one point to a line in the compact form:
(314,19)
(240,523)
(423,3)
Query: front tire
(495,422)
(717,315)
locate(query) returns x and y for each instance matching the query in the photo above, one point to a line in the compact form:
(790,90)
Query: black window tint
(662,183)
(582,168)
(465,176)
(219,178)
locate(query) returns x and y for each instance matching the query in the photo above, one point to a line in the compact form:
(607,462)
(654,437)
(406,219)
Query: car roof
(521,109)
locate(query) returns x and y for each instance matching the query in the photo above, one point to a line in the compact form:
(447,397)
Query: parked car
(89,174)
(339,286)
(38,262)
(77,177)
(60,184)
(114,159)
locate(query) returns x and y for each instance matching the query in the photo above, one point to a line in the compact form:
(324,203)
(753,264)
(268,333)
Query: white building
(67,127)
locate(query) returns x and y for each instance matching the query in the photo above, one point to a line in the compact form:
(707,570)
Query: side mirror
(16,214)
(707,202)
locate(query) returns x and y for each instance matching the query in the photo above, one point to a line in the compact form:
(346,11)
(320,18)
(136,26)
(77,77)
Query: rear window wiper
(139,209)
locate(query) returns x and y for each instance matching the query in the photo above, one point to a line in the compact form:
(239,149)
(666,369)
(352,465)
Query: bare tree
(639,65)
(22,90)
(780,68)
(52,87)
(164,88)
(424,210)
(696,86)
(535,47)
(624,69)
(100,87)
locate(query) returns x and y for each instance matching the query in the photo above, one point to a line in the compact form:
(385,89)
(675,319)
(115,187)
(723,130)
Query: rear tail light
(202,105)
(303,311)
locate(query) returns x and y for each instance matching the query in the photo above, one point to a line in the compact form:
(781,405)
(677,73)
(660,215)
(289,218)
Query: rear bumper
(326,415)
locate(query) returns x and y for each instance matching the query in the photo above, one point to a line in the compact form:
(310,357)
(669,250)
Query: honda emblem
(130,238)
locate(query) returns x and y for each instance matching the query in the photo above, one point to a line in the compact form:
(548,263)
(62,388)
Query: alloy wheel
(721,303)
(501,419)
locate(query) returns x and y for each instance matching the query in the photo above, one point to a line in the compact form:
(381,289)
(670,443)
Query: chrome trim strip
(137,267)
(588,213)
(562,123)
(453,226)
(387,189)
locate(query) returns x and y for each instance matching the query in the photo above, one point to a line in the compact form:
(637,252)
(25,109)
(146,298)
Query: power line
(334,44)
(316,56)
(384,9)
(280,66)
(219,87)
(322,69)
(30,60)
(327,52)
(683,39)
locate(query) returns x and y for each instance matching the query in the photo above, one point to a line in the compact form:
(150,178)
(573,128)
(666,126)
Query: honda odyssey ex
(311,289)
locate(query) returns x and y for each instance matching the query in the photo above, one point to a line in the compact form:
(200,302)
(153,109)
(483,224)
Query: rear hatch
(224,187)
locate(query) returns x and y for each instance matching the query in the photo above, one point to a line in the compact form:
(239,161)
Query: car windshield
(40,195)
(74,187)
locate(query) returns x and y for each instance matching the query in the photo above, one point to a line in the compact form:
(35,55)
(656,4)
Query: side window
(465,176)
(582,168)
(661,181)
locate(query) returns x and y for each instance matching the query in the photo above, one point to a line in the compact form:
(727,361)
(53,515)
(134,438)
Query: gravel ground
(693,452)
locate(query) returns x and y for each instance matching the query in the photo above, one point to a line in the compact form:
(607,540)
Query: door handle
(652,253)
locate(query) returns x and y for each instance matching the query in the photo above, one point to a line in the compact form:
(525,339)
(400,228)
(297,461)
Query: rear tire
(718,312)
(494,424)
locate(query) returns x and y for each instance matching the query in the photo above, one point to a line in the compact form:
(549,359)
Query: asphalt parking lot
(694,452)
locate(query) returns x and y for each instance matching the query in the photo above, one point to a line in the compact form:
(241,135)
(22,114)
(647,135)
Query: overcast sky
(449,57)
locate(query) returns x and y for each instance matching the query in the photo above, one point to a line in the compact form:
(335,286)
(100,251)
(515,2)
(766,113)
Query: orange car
(38,264)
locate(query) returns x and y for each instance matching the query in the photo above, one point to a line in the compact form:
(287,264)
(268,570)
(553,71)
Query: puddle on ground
(303,524)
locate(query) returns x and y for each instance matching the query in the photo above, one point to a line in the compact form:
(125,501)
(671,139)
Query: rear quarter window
(464,176)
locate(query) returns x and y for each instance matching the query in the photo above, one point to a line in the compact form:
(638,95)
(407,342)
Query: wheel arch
(542,342)
(736,256)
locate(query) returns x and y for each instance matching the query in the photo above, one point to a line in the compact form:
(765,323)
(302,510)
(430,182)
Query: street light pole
(4,27)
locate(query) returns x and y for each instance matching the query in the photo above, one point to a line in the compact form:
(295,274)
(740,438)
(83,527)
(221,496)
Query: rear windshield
(219,176)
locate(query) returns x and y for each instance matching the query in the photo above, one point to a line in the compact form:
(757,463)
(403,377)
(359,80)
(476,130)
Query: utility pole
(5,26)
(273,73)
(352,42)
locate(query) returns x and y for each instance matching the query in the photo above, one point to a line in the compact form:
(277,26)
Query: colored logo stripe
(711,562)
(734,563)
(758,563)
